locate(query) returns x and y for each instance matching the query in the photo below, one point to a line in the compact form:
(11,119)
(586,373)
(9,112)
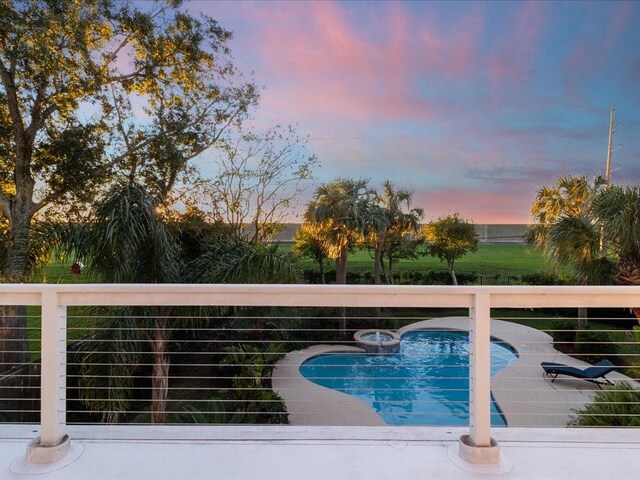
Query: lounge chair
(591,374)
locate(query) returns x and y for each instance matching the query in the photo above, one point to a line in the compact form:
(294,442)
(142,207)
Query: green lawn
(490,259)
(58,272)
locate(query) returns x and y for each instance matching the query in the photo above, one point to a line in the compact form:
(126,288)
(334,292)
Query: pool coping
(525,397)
(311,404)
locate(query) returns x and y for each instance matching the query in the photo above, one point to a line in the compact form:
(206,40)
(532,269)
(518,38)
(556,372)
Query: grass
(58,272)
(490,260)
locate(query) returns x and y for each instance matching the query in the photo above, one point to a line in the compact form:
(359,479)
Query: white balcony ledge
(327,453)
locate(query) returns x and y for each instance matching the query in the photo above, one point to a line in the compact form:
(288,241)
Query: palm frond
(233,261)
(617,209)
(575,242)
(108,358)
(126,240)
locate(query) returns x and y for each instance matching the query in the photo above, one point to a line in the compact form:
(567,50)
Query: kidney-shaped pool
(425,383)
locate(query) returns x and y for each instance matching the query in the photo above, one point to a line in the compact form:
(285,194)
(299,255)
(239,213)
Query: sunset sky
(473,105)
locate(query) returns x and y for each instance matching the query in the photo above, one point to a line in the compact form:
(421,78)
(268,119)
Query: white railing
(477,447)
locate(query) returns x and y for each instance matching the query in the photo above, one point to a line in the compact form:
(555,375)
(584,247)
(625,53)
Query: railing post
(53,443)
(478,447)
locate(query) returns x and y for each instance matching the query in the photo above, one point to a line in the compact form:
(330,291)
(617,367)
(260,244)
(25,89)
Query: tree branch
(110,57)
(12,101)
(39,117)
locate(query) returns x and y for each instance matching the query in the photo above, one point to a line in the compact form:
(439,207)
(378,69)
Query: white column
(480,371)
(53,409)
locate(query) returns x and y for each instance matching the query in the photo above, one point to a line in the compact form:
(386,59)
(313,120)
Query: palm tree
(612,216)
(562,208)
(569,196)
(394,225)
(575,241)
(233,260)
(617,210)
(343,210)
(126,241)
(309,243)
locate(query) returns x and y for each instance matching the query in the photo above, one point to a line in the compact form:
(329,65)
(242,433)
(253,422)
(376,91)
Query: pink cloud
(319,61)
(515,56)
(335,70)
(451,52)
(621,12)
(480,206)
(593,52)
(427,96)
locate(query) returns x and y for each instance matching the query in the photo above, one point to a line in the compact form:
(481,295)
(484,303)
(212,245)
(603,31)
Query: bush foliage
(594,345)
(617,405)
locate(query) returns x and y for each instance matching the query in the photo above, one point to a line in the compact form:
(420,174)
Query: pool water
(426,383)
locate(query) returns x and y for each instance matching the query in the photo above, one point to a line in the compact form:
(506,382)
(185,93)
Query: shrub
(250,398)
(594,345)
(239,407)
(465,278)
(442,278)
(543,278)
(564,333)
(617,405)
(634,363)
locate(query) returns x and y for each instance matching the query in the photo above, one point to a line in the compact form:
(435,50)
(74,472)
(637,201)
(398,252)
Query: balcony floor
(327,453)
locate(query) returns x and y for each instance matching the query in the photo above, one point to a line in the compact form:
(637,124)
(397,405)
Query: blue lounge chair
(591,374)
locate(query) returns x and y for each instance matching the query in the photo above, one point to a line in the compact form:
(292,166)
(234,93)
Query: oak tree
(449,238)
(94,91)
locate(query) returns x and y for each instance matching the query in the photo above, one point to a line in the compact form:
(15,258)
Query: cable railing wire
(223,359)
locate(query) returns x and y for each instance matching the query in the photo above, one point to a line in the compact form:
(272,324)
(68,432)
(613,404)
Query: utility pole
(607,175)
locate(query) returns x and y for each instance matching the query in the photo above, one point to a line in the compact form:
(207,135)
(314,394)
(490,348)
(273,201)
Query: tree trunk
(452,273)
(583,318)
(378,259)
(636,312)
(341,266)
(385,274)
(18,211)
(160,374)
(341,279)
(321,265)
(14,345)
(378,268)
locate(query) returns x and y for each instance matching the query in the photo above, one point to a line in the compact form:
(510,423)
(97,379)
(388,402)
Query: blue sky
(473,105)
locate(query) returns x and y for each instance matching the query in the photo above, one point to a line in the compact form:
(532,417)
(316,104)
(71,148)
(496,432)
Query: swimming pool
(425,383)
